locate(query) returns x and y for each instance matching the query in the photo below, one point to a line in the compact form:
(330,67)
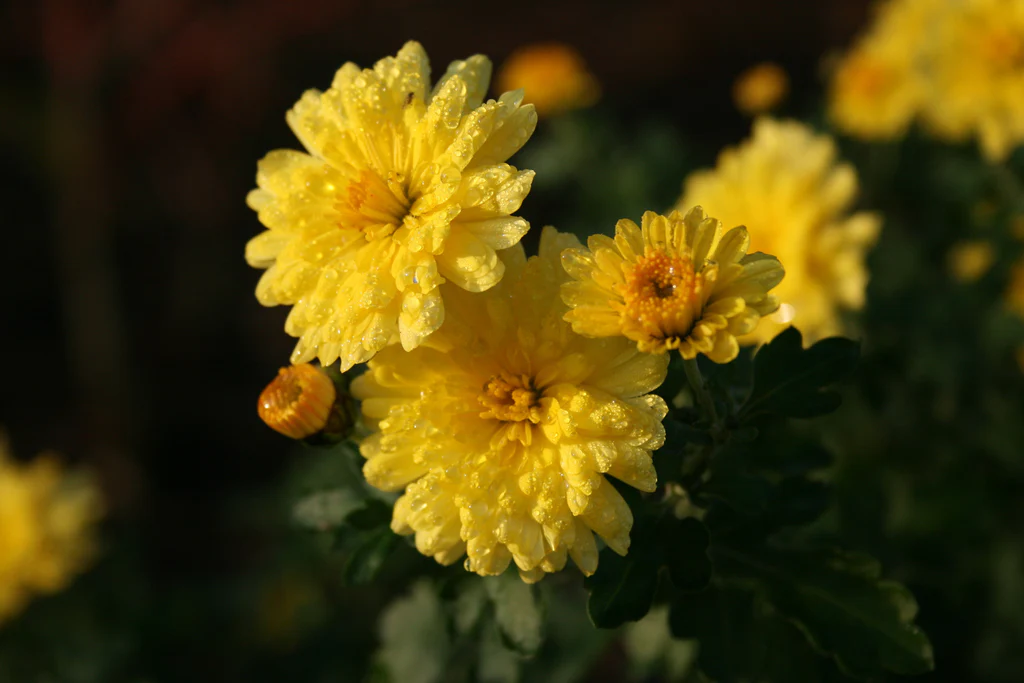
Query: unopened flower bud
(298,403)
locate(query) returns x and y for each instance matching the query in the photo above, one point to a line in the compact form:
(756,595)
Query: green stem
(700,389)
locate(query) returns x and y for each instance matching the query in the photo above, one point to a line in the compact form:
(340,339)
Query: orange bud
(760,88)
(553,75)
(298,402)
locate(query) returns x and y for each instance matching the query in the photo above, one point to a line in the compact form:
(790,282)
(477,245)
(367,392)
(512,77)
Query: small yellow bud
(553,76)
(760,89)
(298,402)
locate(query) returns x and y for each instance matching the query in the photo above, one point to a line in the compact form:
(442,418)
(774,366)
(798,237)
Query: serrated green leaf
(517,612)
(326,510)
(684,545)
(841,604)
(468,604)
(746,493)
(372,514)
(496,662)
(414,641)
(653,651)
(792,381)
(722,623)
(622,588)
(368,556)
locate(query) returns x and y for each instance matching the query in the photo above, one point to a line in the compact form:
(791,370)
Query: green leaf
(740,638)
(371,515)
(517,612)
(496,662)
(468,604)
(622,588)
(414,641)
(841,604)
(368,556)
(327,510)
(746,493)
(792,381)
(653,651)
(722,622)
(685,550)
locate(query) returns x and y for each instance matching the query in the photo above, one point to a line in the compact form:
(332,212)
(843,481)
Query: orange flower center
(662,293)
(373,205)
(511,398)
(867,77)
(1003,48)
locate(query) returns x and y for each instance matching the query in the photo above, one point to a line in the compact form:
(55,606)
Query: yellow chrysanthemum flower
(877,89)
(760,88)
(46,529)
(502,428)
(403,188)
(786,186)
(976,62)
(1015,289)
(553,77)
(671,283)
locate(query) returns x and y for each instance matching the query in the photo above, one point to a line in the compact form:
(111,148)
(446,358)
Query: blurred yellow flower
(502,428)
(976,62)
(877,88)
(671,283)
(968,261)
(403,188)
(553,76)
(46,528)
(298,401)
(1015,289)
(785,185)
(760,88)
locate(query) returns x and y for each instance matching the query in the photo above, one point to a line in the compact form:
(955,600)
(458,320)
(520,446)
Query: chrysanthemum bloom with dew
(553,77)
(403,188)
(760,88)
(503,429)
(878,88)
(976,64)
(47,519)
(786,186)
(674,282)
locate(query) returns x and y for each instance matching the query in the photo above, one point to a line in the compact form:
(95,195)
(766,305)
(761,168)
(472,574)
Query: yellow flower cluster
(786,186)
(519,385)
(957,65)
(46,529)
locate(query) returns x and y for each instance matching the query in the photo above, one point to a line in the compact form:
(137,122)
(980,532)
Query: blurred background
(134,344)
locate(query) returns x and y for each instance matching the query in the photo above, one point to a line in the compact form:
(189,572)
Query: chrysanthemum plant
(588,405)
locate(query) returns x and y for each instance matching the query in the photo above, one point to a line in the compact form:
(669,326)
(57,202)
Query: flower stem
(700,389)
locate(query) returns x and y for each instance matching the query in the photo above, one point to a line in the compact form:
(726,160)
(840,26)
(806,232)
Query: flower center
(510,398)
(662,294)
(1003,48)
(373,205)
(867,77)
